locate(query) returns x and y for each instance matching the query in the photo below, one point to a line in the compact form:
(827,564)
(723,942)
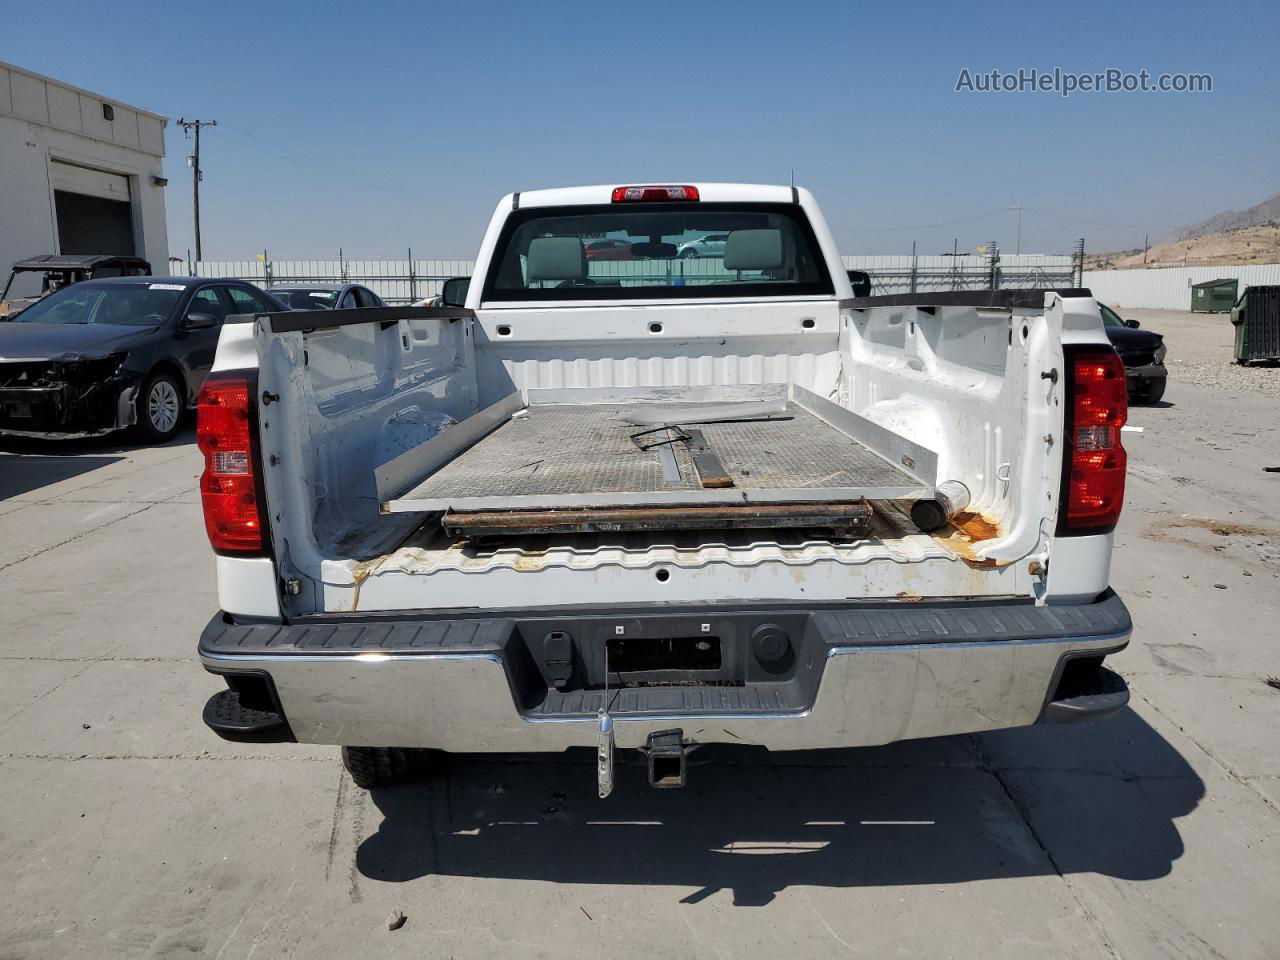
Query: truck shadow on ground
(1028,802)
(28,464)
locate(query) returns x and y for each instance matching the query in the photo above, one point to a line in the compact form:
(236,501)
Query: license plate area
(640,661)
(709,649)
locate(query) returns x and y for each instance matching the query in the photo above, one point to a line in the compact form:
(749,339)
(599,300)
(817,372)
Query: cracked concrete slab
(110,708)
(1235,720)
(130,858)
(50,623)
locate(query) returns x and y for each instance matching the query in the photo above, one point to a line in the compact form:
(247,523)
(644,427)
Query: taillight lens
(1095,459)
(654,194)
(233,512)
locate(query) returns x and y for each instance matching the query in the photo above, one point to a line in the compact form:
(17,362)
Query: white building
(79,173)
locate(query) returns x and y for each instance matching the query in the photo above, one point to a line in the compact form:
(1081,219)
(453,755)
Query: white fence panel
(1169,288)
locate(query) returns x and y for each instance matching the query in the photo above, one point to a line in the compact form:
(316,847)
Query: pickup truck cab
(663,502)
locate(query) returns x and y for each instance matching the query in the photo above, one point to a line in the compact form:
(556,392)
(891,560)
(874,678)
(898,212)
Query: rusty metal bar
(711,472)
(845,520)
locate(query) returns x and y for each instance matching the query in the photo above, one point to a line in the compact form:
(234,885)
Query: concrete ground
(130,831)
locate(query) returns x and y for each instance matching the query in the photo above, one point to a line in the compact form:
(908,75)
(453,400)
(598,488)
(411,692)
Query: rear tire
(372,767)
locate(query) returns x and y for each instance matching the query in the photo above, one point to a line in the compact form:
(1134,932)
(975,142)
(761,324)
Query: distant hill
(1268,211)
(1232,237)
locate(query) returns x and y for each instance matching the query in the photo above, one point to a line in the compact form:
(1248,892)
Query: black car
(1143,354)
(103,355)
(325,296)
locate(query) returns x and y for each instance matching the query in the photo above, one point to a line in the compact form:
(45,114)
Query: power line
(1101,223)
(924,226)
(271,143)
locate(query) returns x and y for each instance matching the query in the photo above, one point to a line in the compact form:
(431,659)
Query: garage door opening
(93,210)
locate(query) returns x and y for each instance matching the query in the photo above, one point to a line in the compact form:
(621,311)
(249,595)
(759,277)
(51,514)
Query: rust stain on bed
(359,574)
(964,536)
(975,527)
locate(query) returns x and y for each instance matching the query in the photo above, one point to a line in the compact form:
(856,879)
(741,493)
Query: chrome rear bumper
(863,675)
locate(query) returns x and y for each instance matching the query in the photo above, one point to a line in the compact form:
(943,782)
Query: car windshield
(1109,317)
(305,299)
(676,250)
(130,304)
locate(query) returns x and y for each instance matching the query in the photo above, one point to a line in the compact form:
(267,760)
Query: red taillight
(653,194)
(1095,459)
(233,512)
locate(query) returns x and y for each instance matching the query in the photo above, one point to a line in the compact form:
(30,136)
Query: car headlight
(90,370)
(1160,352)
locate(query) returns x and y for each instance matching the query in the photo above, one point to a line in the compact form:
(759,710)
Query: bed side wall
(966,382)
(354,397)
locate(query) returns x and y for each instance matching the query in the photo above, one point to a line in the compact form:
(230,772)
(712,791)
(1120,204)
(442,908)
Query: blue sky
(378,127)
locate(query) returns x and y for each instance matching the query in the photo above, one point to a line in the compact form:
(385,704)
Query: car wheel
(1150,392)
(159,407)
(689,254)
(386,766)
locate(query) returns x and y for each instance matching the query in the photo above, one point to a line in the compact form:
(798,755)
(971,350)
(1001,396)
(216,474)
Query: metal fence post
(914,262)
(413,279)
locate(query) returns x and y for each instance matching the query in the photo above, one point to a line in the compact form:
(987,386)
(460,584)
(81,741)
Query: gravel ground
(1200,348)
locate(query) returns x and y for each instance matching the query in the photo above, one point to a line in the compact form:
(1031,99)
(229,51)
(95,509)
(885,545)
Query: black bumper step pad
(226,716)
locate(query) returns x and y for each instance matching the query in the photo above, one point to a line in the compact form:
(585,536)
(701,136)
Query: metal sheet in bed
(583,455)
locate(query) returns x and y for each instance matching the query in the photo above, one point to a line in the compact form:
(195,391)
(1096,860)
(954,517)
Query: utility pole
(1146,246)
(194,162)
(1017,247)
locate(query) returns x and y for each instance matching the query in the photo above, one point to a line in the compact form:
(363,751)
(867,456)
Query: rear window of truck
(657,251)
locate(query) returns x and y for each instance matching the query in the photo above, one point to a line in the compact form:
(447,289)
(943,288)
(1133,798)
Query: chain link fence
(409,280)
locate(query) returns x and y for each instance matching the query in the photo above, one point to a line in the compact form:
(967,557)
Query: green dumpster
(1257,321)
(1214,296)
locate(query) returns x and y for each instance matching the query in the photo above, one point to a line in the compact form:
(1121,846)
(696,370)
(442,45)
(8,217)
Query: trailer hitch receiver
(667,754)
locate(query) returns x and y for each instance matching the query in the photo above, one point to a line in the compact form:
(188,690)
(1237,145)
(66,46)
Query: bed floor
(586,450)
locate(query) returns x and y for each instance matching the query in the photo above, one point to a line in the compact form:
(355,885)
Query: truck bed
(564,455)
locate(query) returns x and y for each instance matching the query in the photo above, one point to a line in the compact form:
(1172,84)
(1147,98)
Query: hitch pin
(604,742)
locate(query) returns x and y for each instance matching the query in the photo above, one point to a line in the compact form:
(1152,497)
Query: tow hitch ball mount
(665,751)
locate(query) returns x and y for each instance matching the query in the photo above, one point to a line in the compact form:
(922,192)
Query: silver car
(325,296)
(712,245)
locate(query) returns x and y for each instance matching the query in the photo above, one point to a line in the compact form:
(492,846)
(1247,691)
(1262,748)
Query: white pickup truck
(659,502)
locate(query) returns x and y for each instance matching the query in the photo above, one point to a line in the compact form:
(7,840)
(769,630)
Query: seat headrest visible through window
(753,250)
(556,258)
